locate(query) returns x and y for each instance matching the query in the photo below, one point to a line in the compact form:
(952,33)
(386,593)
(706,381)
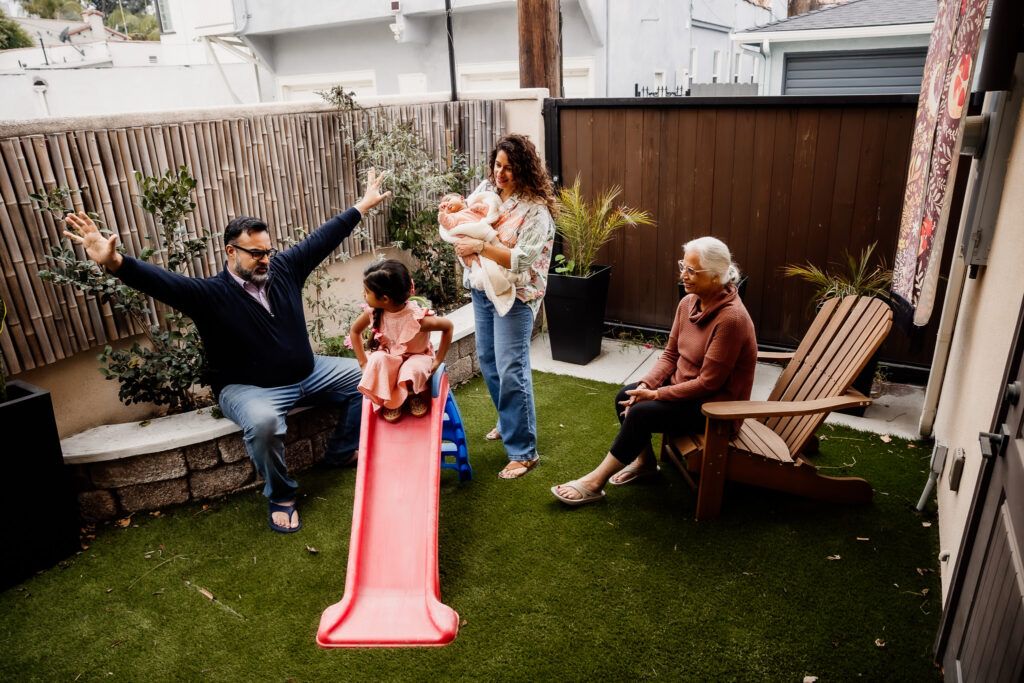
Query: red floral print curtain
(938,128)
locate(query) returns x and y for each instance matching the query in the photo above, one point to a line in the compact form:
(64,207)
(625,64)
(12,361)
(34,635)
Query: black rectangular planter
(42,520)
(575,313)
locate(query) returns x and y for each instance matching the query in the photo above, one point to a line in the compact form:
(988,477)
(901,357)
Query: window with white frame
(716,65)
(304,88)
(577,76)
(163,14)
(659,79)
(693,65)
(738,66)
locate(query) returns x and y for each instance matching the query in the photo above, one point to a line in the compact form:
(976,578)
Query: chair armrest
(734,410)
(775,356)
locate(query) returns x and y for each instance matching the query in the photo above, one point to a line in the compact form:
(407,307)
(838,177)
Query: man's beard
(251,274)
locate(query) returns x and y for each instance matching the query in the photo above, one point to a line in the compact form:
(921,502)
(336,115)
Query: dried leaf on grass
(209,596)
(879,642)
(833,557)
(312,550)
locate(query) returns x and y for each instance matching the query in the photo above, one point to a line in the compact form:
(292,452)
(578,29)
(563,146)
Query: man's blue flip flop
(287,509)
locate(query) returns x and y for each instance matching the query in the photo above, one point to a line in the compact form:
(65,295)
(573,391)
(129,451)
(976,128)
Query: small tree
(417,181)
(70,10)
(12,35)
(168,369)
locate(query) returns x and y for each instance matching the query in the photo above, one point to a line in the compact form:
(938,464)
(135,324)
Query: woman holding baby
(525,232)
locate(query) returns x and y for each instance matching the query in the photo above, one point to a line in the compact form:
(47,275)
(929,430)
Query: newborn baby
(474,217)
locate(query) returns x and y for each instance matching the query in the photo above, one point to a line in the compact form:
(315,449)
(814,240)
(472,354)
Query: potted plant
(856,276)
(577,288)
(45,527)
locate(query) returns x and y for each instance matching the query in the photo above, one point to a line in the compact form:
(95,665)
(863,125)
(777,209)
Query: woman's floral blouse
(526,228)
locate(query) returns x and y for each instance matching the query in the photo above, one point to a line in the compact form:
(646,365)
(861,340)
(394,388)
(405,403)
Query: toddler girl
(401,358)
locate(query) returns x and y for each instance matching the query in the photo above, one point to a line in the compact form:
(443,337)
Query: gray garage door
(854,72)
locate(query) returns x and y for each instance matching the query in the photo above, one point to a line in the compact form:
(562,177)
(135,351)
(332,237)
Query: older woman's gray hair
(715,258)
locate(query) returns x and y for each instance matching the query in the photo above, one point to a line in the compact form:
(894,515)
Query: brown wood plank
(664,293)
(804,163)
(722,175)
(775,315)
(744,179)
(704,164)
(762,274)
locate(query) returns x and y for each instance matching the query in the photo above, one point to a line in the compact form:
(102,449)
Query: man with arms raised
(253,327)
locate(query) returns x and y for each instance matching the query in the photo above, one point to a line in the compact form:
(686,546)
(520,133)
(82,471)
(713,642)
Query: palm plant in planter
(855,277)
(46,530)
(577,288)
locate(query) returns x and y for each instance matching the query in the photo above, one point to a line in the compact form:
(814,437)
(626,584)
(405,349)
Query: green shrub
(170,368)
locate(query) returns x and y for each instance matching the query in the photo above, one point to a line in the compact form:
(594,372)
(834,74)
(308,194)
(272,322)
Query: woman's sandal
(417,406)
(631,473)
(517,468)
(586,495)
(391,414)
(493,435)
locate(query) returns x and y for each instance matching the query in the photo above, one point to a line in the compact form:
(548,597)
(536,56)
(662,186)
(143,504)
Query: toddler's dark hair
(388,278)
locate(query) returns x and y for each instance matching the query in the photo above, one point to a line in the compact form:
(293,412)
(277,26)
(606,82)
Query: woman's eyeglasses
(687,270)
(258,254)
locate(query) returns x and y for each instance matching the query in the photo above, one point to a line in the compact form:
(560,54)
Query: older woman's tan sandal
(493,435)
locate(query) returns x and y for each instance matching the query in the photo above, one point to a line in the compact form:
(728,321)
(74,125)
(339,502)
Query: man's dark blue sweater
(244,343)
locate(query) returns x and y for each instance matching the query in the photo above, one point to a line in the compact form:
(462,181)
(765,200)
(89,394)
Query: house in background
(609,49)
(87,68)
(857,47)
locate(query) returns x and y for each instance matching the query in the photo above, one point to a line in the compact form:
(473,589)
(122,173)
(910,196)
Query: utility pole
(451,48)
(540,45)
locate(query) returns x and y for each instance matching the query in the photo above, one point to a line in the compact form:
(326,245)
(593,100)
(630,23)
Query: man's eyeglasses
(257,254)
(687,270)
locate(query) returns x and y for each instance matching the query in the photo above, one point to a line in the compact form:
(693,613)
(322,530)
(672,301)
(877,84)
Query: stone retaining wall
(201,471)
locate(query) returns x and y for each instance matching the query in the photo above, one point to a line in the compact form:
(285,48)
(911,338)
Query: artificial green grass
(629,588)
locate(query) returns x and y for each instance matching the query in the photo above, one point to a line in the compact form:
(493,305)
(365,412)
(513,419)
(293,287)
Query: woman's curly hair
(531,178)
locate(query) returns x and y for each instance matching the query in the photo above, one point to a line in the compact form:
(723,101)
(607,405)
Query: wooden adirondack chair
(768,448)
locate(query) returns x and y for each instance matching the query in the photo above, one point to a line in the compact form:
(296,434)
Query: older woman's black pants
(649,417)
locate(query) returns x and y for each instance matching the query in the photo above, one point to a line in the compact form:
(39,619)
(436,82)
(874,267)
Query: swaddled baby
(474,217)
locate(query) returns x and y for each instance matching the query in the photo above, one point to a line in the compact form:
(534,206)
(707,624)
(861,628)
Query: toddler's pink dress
(405,355)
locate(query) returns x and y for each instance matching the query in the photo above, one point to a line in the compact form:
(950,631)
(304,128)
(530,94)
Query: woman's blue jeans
(503,349)
(261,412)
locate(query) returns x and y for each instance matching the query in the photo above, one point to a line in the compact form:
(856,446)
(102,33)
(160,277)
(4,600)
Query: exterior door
(981,637)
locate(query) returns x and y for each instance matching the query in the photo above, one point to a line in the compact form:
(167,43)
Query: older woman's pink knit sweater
(711,353)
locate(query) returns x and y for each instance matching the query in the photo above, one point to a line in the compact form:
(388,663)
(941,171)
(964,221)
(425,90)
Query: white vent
(152,59)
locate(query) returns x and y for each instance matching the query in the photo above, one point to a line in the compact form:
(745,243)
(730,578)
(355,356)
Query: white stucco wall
(980,345)
(76,92)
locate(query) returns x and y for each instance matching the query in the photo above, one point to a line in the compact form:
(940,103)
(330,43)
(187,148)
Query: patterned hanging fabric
(938,129)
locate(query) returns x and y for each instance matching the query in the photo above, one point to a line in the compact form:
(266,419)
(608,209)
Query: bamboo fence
(293,169)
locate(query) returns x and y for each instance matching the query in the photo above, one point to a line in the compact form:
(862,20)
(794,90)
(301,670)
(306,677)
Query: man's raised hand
(102,250)
(373,196)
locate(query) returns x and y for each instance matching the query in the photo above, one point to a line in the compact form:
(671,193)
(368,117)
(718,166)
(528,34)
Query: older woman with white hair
(710,356)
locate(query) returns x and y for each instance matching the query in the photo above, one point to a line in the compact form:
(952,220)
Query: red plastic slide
(392,594)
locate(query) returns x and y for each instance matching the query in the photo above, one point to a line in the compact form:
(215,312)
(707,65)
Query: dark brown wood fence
(780,180)
(295,169)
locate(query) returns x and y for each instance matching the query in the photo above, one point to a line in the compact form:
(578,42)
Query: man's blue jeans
(261,411)
(503,349)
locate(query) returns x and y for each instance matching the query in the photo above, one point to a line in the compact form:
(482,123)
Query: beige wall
(981,343)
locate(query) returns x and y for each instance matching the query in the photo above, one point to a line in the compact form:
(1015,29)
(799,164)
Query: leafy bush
(586,226)
(168,371)
(417,182)
(859,277)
